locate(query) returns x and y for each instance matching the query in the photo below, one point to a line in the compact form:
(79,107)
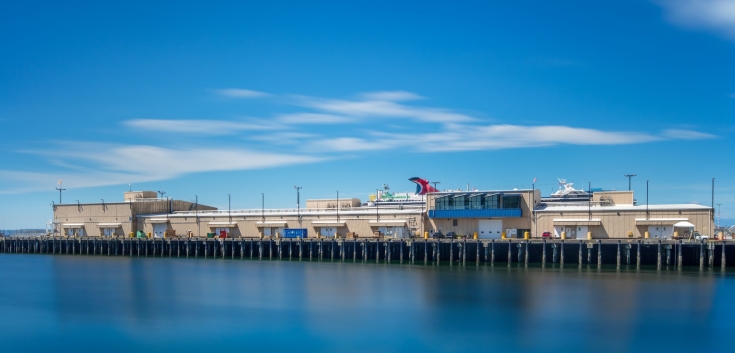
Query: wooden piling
(580,253)
(510,256)
(543,253)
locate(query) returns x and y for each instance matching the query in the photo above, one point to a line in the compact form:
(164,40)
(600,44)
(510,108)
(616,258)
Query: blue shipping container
(295,233)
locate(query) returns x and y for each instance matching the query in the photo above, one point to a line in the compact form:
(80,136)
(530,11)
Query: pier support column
(492,251)
(543,253)
(580,253)
(599,252)
(479,244)
(426,251)
(722,264)
(510,246)
(451,251)
(701,254)
(658,258)
(561,254)
(617,261)
(638,255)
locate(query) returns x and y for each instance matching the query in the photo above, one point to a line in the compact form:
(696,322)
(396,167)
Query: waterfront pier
(636,252)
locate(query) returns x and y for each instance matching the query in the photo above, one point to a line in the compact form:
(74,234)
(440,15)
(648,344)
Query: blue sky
(216,98)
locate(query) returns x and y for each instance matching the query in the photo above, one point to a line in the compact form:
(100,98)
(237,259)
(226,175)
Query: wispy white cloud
(303,138)
(314,118)
(354,144)
(285,138)
(679,134)
(455,138)
(205,127)
(107,164)
(394,96)
(732,95)
(240,93)
(717,15)
(384,109)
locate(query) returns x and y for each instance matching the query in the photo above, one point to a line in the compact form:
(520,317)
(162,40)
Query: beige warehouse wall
(249,227)
(617,197)
(617,224)
(93,214)
(332,203)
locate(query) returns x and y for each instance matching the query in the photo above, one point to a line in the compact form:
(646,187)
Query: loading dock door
(581,232)
(75,232)
(490,229)
(108,232)
(159,229)
(327,231)
(661,232)
(266,231)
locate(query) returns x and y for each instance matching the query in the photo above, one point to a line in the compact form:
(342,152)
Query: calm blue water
(77,303)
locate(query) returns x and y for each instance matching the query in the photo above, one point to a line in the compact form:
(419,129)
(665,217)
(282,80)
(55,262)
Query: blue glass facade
(476,205)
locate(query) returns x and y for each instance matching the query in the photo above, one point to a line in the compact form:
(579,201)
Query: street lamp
(298,202)
(60,188)
(229,208)
(377,215)
(436,182)
(646,199)
(337,205)
(629,176)
(262,206)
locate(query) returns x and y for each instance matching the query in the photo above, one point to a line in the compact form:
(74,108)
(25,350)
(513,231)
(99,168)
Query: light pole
(337,205)
(60,188)
(646,199)
(298,203)
(436,182)
(162,193)
(262,206)
(589,201)
(719,214)
(711,221)
(199,226)
(629,176)
(229,208)
(377,215)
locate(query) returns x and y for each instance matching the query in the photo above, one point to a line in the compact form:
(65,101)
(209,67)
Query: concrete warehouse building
(490,214)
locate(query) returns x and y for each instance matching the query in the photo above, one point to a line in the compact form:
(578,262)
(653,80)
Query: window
(442,203)
(511,201)
(454,222)
(492,201)
(476,202)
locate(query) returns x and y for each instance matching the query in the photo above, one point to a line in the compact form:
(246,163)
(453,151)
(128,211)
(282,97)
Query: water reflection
(148,304)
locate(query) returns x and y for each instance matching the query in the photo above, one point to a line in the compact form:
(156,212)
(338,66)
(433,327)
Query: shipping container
(295,233)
